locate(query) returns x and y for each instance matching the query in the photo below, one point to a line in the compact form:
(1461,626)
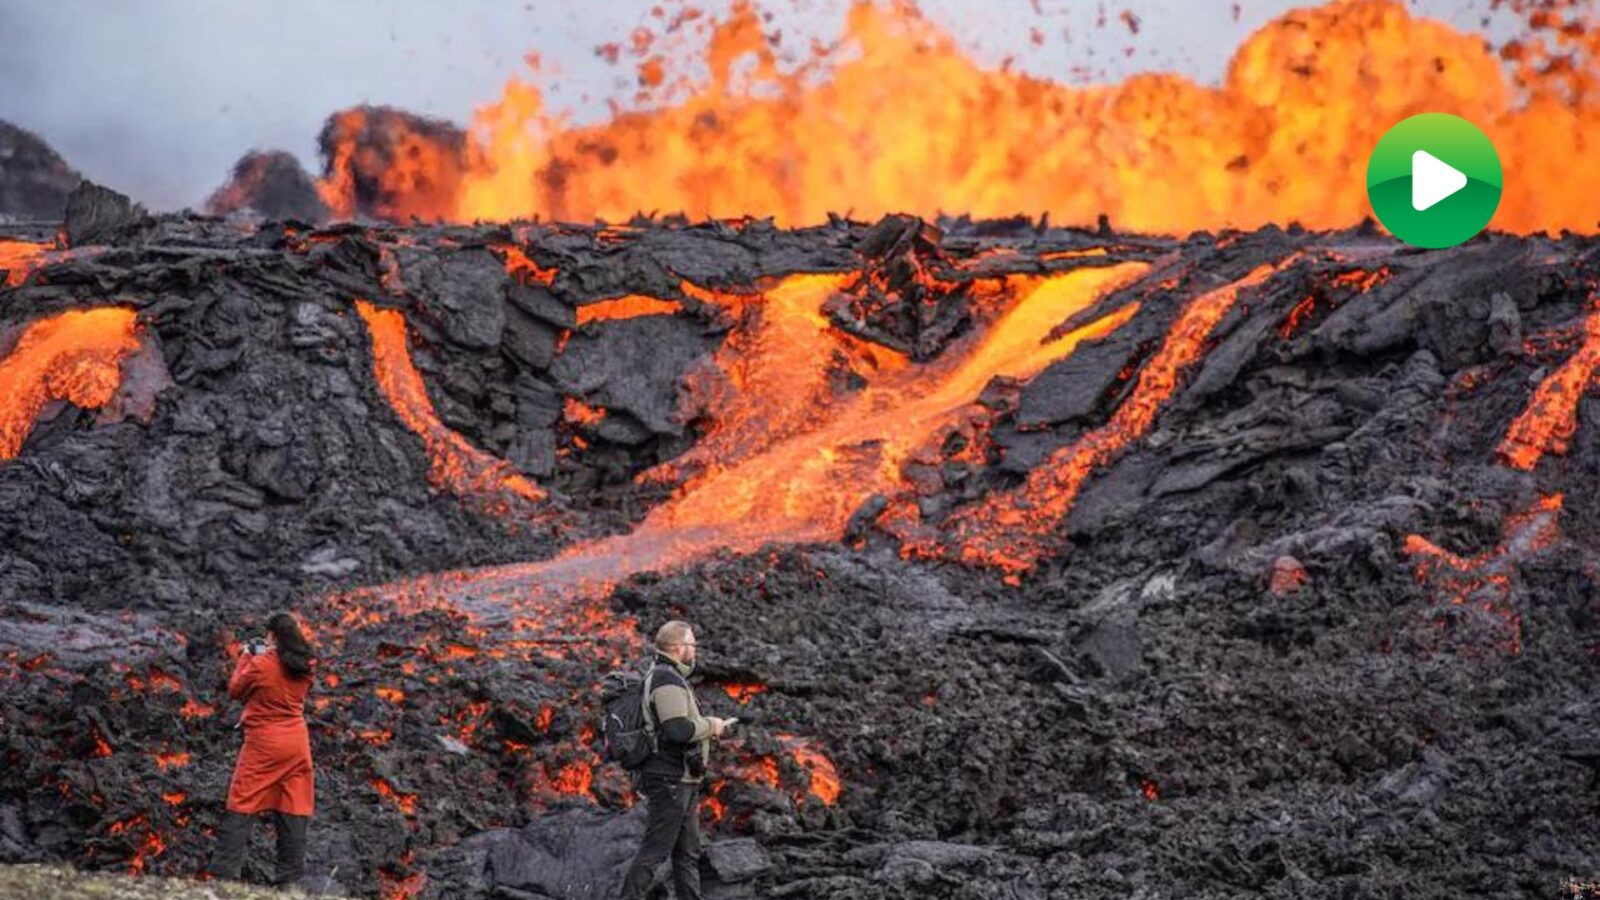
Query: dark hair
(294,652)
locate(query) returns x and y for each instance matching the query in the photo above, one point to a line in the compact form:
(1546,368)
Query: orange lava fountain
(74,356)
(1284,137)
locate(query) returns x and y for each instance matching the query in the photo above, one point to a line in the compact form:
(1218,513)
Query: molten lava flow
(455,465)
(18,259)
(630,307)
(805,485)
(1009,530)
(74,356)
(771,376)
(1285,136)
(1551,416)
(1481,585)
(1297,314)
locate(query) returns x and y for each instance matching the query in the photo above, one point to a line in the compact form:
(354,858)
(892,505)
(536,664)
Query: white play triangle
(1432,180)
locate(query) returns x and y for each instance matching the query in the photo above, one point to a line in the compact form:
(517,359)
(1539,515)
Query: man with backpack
(679,741)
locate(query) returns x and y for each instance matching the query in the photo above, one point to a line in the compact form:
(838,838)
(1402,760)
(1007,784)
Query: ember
(406,803)
(170,759)
(741,693)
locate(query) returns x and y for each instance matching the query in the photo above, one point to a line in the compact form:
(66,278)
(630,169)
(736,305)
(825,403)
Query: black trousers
(672,829)
(234,837)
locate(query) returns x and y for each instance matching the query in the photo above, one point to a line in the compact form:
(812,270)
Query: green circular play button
(1434,180)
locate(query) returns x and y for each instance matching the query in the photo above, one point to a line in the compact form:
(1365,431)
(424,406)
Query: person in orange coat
(274,772)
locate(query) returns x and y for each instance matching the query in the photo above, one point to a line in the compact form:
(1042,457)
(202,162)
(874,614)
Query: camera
(256,647)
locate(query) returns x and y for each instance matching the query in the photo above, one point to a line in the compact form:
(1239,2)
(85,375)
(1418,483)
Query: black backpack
(627,730)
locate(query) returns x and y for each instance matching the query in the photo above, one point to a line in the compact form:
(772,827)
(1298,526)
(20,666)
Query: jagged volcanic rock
(1264,576)
(34,179)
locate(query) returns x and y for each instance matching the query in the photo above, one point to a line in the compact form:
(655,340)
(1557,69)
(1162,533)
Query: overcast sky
(158,98)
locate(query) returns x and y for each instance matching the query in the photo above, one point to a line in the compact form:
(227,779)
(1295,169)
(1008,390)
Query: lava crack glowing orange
(1482,585)
(74,356)
(898,118)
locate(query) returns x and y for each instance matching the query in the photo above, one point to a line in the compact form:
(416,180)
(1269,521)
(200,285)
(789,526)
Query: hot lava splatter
(1310,92)
(74,356)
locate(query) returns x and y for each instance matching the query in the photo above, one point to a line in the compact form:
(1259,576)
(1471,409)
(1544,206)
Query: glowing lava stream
(628,307)
(803,487)
(454,464)
(18,259)
(1005,530)
(74,356)
(1551,416)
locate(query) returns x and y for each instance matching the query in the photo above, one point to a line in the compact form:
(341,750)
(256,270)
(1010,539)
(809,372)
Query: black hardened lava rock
(34,179)
(1237,668)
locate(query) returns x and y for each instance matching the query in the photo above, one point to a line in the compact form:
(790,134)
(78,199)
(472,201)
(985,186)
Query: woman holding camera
(273,773)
